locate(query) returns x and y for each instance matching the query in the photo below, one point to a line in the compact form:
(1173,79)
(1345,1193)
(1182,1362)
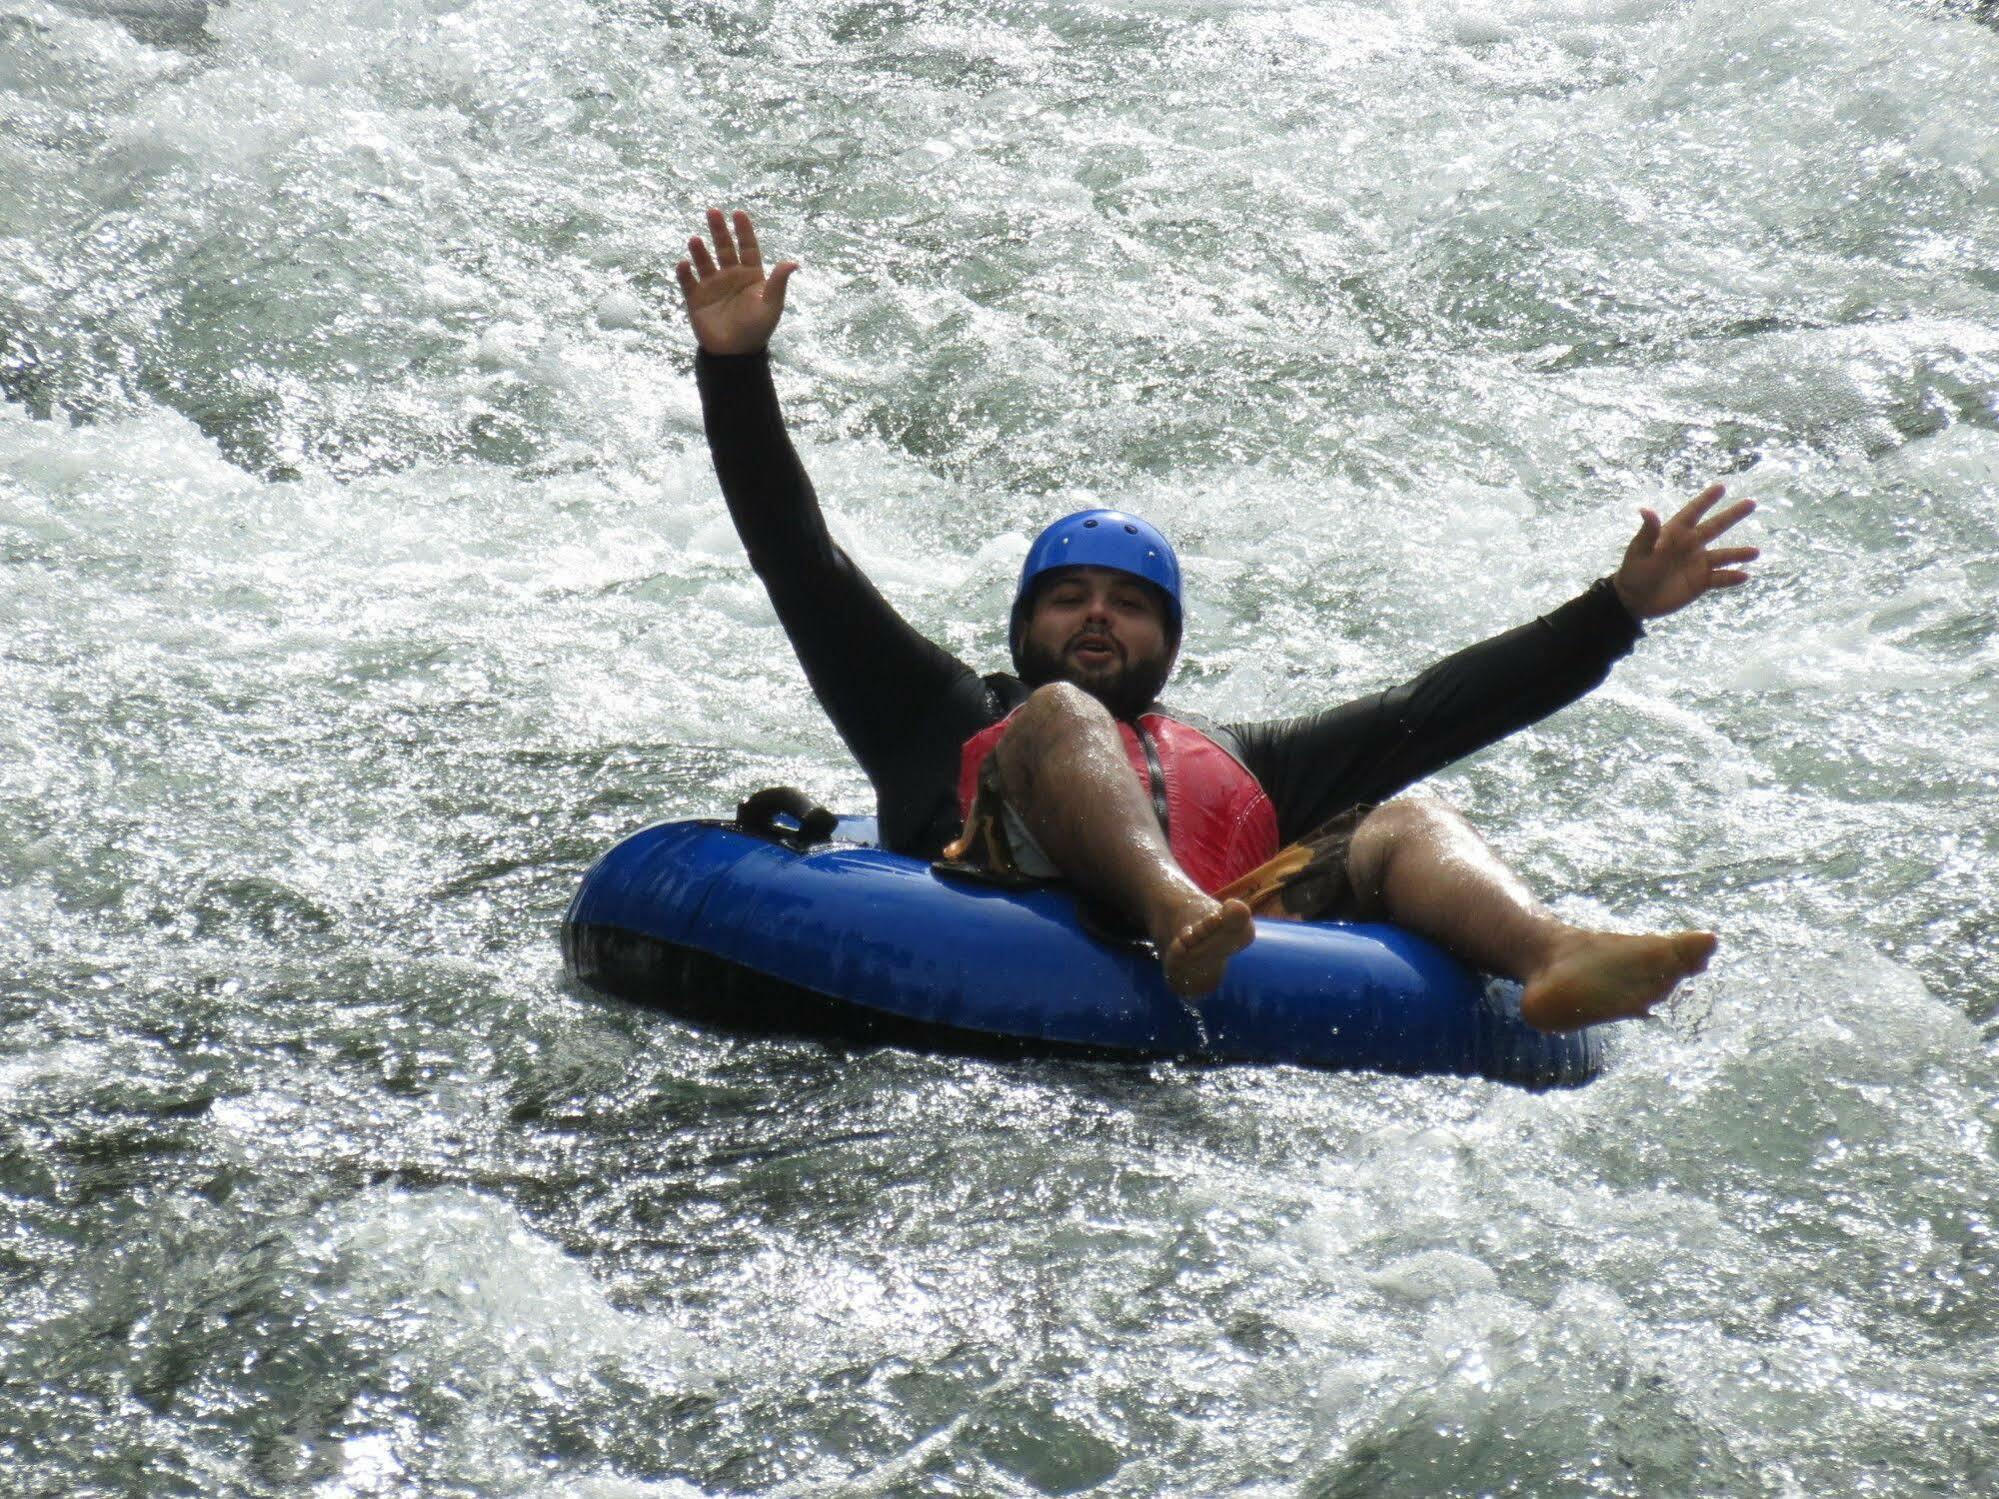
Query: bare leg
(1062,766)
(1415,862)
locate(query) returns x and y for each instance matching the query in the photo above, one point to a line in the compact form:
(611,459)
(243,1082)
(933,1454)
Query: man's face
(1105,631)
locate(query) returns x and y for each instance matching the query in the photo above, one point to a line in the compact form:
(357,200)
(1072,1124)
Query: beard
(1126,688)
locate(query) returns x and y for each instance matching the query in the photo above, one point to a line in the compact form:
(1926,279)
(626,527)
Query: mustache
(1124,687)
(1094,637)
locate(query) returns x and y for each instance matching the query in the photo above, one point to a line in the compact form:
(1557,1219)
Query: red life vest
(1219,822)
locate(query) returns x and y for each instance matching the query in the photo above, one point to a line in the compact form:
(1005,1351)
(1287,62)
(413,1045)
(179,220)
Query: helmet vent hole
(1131,530)
(1089,525)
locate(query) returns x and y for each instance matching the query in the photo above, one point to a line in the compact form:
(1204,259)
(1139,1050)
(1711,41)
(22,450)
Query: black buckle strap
(811,823)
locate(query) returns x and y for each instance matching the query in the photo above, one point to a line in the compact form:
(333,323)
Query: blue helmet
(1100,538)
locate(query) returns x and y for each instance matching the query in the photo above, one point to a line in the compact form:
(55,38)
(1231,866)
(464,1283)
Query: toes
(1691,952)
(1198,955)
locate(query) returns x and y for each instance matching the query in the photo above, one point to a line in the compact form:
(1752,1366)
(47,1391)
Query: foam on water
(364,576)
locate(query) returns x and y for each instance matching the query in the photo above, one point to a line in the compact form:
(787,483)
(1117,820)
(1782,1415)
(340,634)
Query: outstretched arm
(1367,750)
(734,309)
(900,701)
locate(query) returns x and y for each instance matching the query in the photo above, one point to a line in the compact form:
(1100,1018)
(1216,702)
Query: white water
(364,575)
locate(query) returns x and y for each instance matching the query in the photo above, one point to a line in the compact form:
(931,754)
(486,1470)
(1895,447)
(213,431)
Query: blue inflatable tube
(849,943)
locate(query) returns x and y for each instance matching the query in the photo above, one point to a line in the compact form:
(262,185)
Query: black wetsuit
(905,705)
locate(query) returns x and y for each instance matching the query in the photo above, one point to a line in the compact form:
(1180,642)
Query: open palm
(732,304)
(1669,565)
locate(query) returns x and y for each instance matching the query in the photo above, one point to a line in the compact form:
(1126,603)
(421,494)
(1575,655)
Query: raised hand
(733,306)
(1668,566)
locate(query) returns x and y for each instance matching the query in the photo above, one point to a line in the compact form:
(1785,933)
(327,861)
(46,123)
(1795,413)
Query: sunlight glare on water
(365,575)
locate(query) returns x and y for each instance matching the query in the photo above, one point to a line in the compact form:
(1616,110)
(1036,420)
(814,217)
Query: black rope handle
(758,815)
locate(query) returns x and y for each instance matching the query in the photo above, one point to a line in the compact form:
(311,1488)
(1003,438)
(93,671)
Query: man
(1188,828)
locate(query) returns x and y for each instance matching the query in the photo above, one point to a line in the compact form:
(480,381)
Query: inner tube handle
(758,815)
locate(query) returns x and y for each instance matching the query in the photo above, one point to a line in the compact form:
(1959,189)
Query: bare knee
(1053,713)
(1414,815)
(1054,703)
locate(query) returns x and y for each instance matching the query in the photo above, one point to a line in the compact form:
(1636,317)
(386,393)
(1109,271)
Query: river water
(364,575)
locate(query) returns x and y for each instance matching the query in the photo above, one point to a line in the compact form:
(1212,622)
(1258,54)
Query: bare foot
(1598,976)
(1199,950)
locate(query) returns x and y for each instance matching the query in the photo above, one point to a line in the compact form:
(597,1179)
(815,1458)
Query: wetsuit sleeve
(1369,749)
(903,704)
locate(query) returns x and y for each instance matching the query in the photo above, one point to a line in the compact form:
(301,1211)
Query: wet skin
(1063,767)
